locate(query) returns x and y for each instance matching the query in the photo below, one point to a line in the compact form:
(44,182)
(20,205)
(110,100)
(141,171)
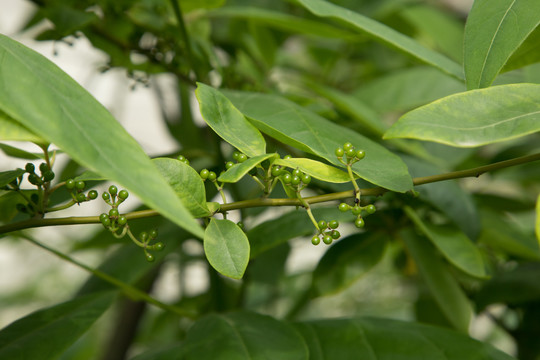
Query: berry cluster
(76,190)
(350,153)
(357,211)
(183,159)
(295,179)
(46,174)
(146,238)
(327,232)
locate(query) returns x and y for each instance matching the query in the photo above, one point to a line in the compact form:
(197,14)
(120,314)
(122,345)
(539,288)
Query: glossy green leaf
(229,123)
(474,118)
(12,130)
(453,244)
(8,176)
(48,332)
(270,233)
(403,90)
(243,335)
(238,171)
(500,233)
(186,183)
(316,169)
(494,30)
(61,111)
(386,339)
(437,28)
(516,286)
(226,247)
(19,153)
(347,261)
(384,34)
(305,130)
(447,196)
(443,286)
(528,53)
(282,21)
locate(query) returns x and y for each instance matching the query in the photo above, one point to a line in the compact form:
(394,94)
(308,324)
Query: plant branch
(376,191)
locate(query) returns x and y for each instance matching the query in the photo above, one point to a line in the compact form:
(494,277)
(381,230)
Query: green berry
(356,210)
(103,216)
(182,158)
(347,146)
(34,198)
(204,174)
(106,196)
(240,225)
(242,158)
(122,220)
(48,176)
(21,208)
(212,176)
(339,152)
(335,234)
(144,236)
(159,246)
(150,257)
(370,209)
(286,178)
(70,184)
(123,194)
(316,240)
(296,172)
(43,168)
(360,154)
(333,224)
(92,194)
(306,179)
(321,224)
(113,190)
(81,197)
(229,164)
(30,168)
(350,153)
(80,185)
(327,239)
(276,170)
(344,207)
(287,157)
(235,155)
(34,179)
(295,180)
(359,222)
(153,233)
(114,212)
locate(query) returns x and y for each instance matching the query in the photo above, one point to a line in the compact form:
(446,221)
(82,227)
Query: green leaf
(243,335)
(12,130)
(226,248)
(299,127)
(453,244)
(443,287)
(384,34)
(229,123)
(19,153)
(282,21)
(238,171)
(47,333)
(498,232)
(190,5)
(61,111)
(8,176)
(517,286)
(89,176)
(474,118)
(403,90)
(494,30)
(316,169)
(447,196)
(347,261)
(385,339)
(186,183)
(528,53)
(270,234)
(537,222)
(8,203)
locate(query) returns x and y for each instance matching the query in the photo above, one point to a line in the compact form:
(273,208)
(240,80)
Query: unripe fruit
(43,167)
(70,184)
(344,207)
(123,194)
(327,239)
(340,152)
(316,240)
(114,212)
(92,194)
(122,220)
(333,224)
(30,167)
(286,178)
(48,176)
(81,197)
(356,210)
(212,176)
(335,234)
(80,185)
(306,179)
(359,222)
(321,224)
(204,173)
(370,209)
(159,246)
(229,164)
(242,158)
(153,233)
(150,257)
(113,190)
(347,146)
(106,196)
(360,154)
(295,180)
